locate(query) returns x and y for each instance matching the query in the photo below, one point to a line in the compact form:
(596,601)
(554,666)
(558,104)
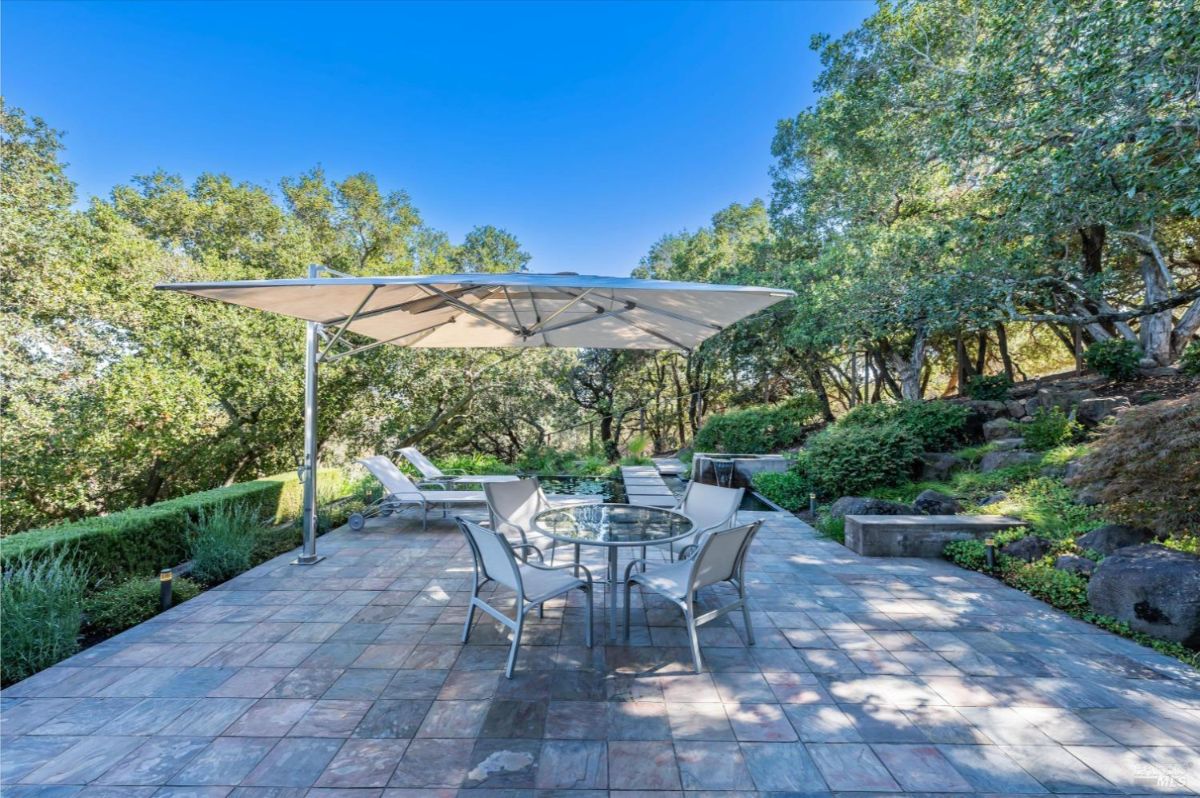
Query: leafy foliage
(1189,364)
(1115,358)
(1049,428)
(760,429)
(222,542)
(935,426)
(993,387)
(854,459)
(41,603)
(117,608)
(1147,466)
(789,489)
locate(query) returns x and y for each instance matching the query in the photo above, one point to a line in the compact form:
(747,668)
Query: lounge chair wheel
(357,521)
(384,512)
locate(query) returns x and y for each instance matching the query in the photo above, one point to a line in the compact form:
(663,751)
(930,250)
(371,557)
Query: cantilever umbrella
(480,311)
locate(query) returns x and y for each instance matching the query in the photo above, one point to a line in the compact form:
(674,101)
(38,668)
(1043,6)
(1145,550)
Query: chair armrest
(688,550)
(536,550)
(574,565)
(454,472)
(629,568)
(428,484)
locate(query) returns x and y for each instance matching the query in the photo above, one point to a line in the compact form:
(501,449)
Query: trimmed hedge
(142,540)
(760,428)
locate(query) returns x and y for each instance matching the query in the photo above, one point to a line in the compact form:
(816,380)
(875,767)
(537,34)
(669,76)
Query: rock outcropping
(1154,589)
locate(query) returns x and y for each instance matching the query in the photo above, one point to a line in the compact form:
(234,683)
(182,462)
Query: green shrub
(548,460)
(122,606)
(1051,427)
(936,426)
(1049,508)
(144,540)
(222,542)
(829,527)
(270,542)
(1063,589)
(41,604)
(475,463)
(1189,363)
(789,489)
(1115,358)
(851,460)
(992,388)
(760,429)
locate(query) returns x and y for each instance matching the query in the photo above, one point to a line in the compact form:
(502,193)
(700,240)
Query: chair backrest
(515,502)
(393,479)
(722,555)
(494,558)
(422,463)
(709,506)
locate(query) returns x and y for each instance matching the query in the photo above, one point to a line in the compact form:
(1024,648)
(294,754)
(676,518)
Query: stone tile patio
(347,679)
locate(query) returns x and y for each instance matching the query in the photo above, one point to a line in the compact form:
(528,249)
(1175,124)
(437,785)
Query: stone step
(919,535)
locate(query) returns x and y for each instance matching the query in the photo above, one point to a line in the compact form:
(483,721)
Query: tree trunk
(981,353)
(818,385)
(1005,357)
(607,439)
(1156,328)
(908,366)
(1186,328)
(1092,238)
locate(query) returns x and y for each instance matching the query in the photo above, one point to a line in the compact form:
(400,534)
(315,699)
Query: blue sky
(588,130)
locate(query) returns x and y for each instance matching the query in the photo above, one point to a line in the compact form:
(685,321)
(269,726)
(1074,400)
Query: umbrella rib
(540,325)
(341,329)
(424,332)
(512,307)
(679,317)
(458,303)
(629,306)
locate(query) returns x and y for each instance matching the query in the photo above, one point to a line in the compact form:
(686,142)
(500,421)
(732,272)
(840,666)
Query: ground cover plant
(222,543)
(1115,358)
(117,608)
(41,604)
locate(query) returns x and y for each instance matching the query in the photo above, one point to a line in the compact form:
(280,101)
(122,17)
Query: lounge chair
(708,507)
(435,474)
(720,556)
(532,583)
(401,491)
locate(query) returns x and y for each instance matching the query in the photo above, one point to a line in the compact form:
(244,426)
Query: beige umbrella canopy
(482,311)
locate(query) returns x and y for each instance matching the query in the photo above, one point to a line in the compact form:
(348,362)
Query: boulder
(1076,565)
(1062,397)
(862,505)
(1090,495)
(932,502)
(1109,538)
(1028,548)
(938,466)
(1159,371)
(1016,408)
(995,498)
(997,428)
(1154,589)
(1074,468)
(1007,444)
(988,408)
(993,460)
(1092,411)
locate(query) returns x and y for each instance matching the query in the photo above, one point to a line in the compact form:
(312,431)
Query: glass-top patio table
(612,526)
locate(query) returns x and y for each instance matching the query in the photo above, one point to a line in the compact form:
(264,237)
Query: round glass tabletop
(612,524)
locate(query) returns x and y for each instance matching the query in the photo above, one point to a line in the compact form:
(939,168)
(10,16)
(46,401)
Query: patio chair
(512,506)
(401,491)
(708,507)
(720,556)
(435,474)
(533,584)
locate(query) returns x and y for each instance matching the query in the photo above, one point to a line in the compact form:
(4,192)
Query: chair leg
(690,619)
(516,643)
(628,591)
(643,569)
(470,616)
(587,631)
(541,610)
(749,626)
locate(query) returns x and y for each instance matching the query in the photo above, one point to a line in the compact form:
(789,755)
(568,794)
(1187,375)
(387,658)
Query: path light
(812,505)
(990,543)
(166,580)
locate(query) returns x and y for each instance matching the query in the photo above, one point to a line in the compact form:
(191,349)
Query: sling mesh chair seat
(532,584)
(400,491)
(513,505)
(719,556)
(708,507)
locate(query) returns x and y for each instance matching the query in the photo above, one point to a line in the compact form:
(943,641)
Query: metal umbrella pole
(308,554)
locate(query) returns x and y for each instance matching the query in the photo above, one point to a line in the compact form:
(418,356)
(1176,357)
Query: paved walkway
(347,679)
(644,485)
